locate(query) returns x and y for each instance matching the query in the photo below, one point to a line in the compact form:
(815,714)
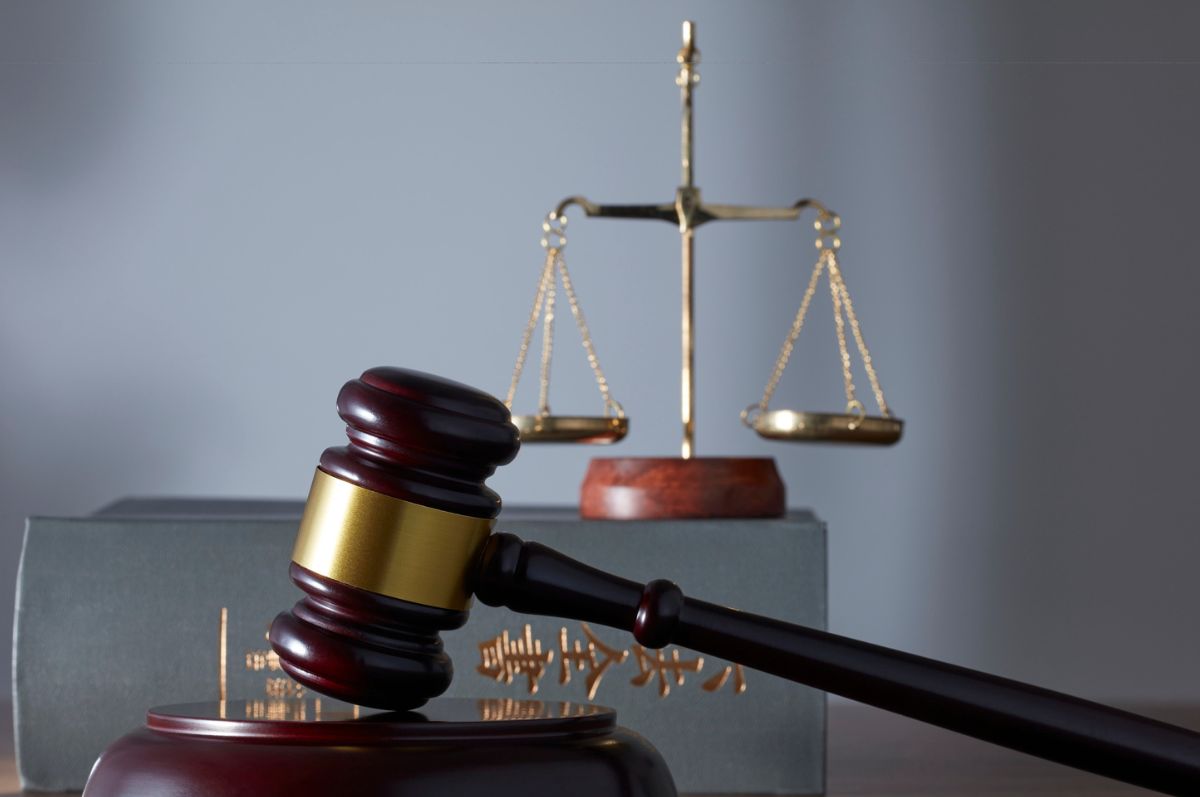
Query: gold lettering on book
(222,650)
(259,660)
(581,658)
(658,664)
(283,687)
(262,660)
(717,681)
(267,660)
(502,658)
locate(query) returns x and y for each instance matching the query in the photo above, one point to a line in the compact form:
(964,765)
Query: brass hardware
(571,428)
(824,427)
(388,546)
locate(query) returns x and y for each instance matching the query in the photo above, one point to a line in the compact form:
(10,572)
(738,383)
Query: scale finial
(688,54)
(688,57)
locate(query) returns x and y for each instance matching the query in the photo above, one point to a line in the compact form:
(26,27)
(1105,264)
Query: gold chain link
(785,351)
(840,328)
(828,243)
(527,336)
(553,241)
(547,344)
(610,404)
(860,341)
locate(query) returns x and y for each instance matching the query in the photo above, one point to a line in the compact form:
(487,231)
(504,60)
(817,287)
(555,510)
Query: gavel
(397,536)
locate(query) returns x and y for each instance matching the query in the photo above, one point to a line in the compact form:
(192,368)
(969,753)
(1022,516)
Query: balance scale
(689,486)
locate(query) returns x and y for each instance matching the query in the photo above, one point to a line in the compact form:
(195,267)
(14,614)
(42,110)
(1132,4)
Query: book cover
(154,601)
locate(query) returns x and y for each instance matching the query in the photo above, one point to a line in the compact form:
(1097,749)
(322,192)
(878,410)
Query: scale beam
(660,212)
(688,217)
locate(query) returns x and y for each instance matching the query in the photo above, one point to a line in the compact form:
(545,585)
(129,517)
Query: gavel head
(394,523)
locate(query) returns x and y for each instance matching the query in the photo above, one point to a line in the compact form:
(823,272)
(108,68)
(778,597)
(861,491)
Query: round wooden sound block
(304,747)
(661,488)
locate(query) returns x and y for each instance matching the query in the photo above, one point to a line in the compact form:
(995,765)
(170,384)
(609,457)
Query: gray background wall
(212,214)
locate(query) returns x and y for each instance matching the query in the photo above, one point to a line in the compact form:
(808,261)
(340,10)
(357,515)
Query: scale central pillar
(662,488)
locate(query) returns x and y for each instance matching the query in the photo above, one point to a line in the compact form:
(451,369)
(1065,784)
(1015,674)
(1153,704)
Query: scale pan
(594,429)
(831,427)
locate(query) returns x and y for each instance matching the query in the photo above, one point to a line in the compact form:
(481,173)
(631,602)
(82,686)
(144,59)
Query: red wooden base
(308,747)
(662,488)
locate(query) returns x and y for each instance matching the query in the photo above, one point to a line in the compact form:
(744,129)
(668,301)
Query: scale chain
(828,242)
(852,402)
(610,404)
(554,240)
(547,339)
(785,351)
(527,336)
(860,341)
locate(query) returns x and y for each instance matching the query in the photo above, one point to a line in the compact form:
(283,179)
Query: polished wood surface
(494,747)
(876,754)
(363,647)
(662,488)
(422,438)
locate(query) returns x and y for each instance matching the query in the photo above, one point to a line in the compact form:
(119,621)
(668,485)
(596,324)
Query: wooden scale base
(299,748)
(660,488)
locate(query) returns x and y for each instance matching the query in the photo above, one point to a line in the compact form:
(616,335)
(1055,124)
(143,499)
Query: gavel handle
(533,579)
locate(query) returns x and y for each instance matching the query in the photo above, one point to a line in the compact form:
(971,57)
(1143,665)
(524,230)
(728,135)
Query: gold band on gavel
(388,546)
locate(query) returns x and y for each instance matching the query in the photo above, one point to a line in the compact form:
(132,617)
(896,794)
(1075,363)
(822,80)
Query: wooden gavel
(397,536)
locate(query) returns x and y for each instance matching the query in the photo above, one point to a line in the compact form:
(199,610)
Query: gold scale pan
(688,212)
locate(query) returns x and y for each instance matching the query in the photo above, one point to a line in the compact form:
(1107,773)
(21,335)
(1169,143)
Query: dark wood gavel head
(393,525)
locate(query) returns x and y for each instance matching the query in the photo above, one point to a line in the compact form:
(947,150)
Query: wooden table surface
(875,754)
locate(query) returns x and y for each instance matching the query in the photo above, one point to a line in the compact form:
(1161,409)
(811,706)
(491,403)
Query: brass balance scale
(691,486)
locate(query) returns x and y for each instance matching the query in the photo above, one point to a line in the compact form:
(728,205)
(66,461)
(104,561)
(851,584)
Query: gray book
(132,606)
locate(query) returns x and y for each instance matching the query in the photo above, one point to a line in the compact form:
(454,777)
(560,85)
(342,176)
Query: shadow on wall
(66,86)
(101,437)
(1093,546)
